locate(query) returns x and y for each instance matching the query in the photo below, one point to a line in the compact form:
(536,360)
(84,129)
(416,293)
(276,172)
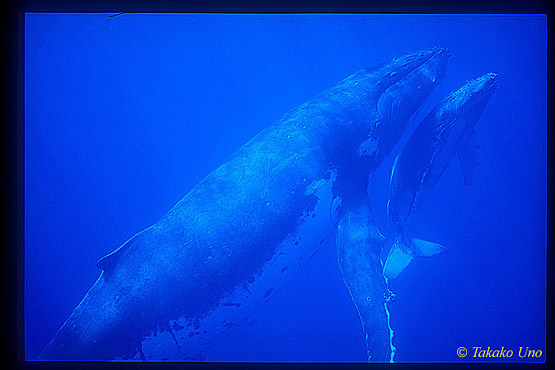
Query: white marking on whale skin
(215,337)
(369,146)
(315,186)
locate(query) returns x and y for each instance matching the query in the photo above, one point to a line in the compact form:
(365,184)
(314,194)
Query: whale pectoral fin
(423,248)
(397,259)
(468,157)
(358,243)
(401,255)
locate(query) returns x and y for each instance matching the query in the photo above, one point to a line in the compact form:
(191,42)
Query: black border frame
(13,143)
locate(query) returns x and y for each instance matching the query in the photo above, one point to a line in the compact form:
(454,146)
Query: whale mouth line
(440,51)
(434,52)
(435,71)
(423,75)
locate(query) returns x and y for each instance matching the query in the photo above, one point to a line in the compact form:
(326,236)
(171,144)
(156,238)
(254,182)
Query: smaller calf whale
(417,169)
(447,130)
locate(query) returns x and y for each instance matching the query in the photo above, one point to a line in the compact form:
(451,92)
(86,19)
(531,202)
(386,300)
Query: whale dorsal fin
(468,157)
(109,261)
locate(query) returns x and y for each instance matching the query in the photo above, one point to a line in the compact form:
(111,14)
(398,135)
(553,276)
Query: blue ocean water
(125,114)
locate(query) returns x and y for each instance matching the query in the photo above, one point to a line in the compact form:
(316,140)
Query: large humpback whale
(228,242)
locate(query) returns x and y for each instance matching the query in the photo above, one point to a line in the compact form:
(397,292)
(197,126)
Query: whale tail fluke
(404,250)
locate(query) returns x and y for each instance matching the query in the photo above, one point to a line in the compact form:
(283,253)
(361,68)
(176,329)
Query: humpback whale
(229,242)
(447,130)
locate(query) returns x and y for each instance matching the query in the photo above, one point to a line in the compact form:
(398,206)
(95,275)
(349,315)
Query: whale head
(389,95)
(379,102)
(471,97)
(461,109)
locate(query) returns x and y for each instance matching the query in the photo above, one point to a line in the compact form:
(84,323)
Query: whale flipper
(358,245)
(469,159)
(401,254)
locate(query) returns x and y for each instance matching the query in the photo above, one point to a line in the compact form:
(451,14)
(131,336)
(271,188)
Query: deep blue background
(123,115)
